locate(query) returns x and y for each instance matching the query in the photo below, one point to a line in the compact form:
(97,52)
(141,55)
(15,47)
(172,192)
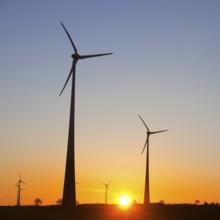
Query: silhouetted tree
(37,201)
(161,202)
(59,202)
(197,202)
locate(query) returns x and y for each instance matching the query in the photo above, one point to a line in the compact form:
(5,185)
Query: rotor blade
(145,145)
(143,122)
(71,70)
(22,182)
(94,55)
(74,47)
(104,184)
(155,132)
(108,182)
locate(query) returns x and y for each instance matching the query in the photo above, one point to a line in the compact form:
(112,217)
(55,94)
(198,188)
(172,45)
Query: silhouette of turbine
(147,185)
(69,191)
(19,190)
(106,191)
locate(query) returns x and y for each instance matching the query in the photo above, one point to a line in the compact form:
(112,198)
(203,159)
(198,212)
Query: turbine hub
(75,56)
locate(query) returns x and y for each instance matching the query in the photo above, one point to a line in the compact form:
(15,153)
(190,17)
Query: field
(111,212)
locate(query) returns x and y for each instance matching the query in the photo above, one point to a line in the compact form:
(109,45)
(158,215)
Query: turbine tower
(19,190)
(106,191)
(69,191)
(147,185)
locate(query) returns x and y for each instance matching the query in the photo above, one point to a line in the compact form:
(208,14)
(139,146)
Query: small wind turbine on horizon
(147,184)
(69,191)
(106,191)
(18,185)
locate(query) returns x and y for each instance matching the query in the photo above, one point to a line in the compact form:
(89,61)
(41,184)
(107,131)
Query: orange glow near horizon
(163,186)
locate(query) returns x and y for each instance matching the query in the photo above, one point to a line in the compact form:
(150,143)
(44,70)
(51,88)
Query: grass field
(111,212)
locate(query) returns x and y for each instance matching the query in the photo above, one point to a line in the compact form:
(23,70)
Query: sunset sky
(165,67)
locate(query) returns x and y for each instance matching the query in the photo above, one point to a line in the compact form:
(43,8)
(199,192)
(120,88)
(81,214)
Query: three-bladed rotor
(77,57)
(149,133)
(106,185)
(20,181)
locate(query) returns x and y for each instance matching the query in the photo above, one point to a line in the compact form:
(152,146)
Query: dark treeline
(111,212)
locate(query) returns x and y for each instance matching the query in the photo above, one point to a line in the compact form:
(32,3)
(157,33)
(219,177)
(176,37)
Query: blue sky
(165,67)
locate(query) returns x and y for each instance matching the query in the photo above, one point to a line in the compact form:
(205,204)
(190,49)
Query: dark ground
(112,212)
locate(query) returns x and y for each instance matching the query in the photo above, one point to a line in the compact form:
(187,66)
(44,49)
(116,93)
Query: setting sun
(124,201)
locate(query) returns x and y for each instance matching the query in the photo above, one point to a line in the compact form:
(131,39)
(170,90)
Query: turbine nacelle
(75,56)
(106,185)
(22,182)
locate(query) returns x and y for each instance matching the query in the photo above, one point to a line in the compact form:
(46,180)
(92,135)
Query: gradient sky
(165,67)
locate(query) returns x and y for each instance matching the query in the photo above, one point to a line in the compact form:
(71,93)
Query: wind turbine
(147,185)
(106,190)
(69,191)
(19,190)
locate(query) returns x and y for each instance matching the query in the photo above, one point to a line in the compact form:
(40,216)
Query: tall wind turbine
(19,190)
(106,191)
(69,191)
(147,185)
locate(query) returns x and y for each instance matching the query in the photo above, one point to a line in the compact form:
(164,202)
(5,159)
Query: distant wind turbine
(18,185)
(106,190)
(147,185)
(69,191)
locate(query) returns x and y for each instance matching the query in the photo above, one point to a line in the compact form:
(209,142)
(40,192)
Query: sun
(124,201)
